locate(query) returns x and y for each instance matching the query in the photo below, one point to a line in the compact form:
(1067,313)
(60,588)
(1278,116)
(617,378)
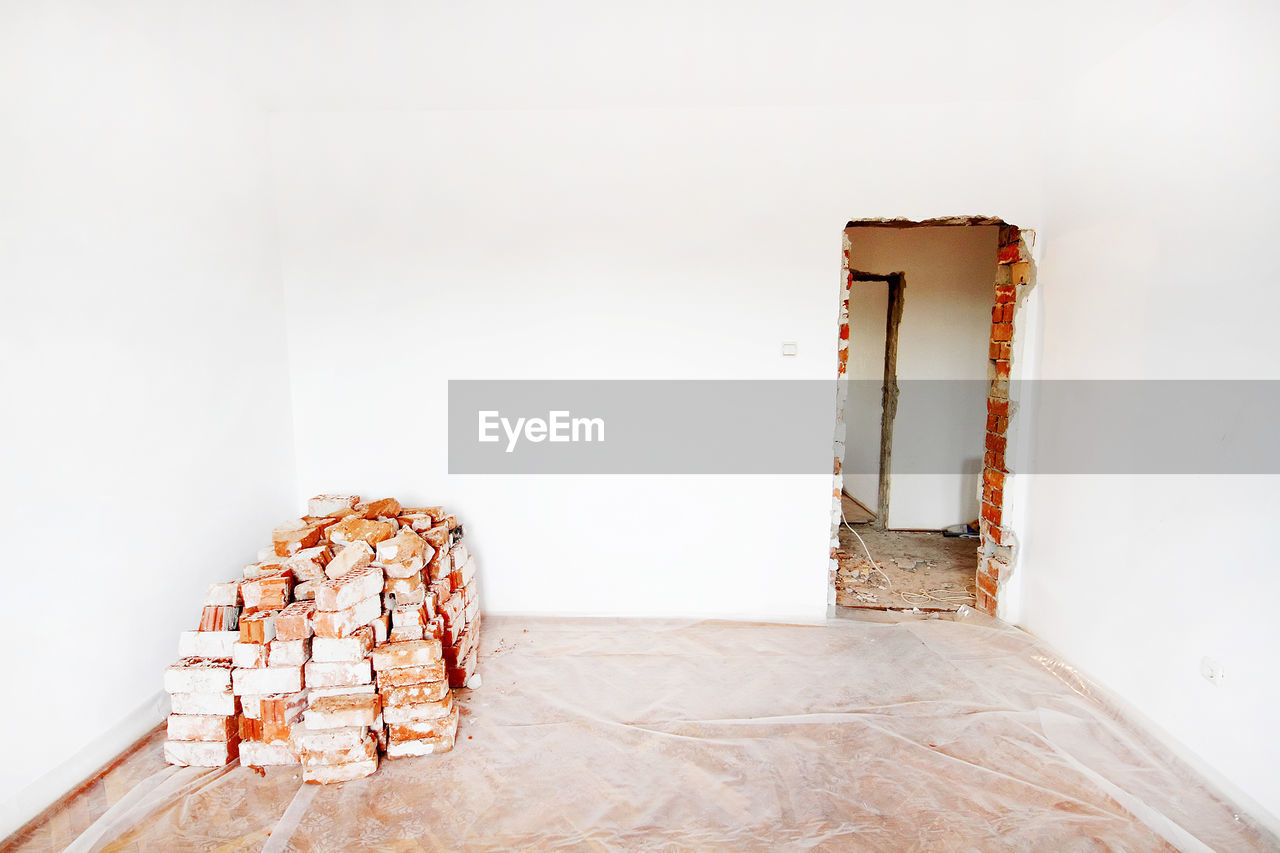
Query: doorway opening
(927,342)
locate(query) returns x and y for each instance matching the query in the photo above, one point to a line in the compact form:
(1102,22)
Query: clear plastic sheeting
(904,734)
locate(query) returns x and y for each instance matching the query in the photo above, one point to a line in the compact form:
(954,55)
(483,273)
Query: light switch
(789,349)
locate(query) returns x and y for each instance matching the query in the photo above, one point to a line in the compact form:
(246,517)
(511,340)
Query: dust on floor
(921,570)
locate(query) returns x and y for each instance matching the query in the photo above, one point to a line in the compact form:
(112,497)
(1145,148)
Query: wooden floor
(921,570)
(64,822)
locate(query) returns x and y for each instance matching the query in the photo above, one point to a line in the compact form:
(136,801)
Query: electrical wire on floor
(937,596)
(870,558)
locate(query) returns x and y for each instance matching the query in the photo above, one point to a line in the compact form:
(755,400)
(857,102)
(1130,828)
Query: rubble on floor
(906,570)
(342,643)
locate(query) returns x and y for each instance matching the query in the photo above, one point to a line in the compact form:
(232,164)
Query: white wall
(944,335)
(601,243)
(868,306)
(146,441)
(1158,263)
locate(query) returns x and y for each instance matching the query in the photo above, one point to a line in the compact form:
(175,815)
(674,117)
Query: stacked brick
(995,554)
(202,727)
(339,645)
(459,613)
(268,677)
(417,703)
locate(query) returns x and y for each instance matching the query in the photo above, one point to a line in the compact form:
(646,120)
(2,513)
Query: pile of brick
(202,726)
(281,670)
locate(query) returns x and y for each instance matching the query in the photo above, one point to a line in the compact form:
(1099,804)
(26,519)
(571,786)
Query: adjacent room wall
(944,335)
(864,407)
(147,432)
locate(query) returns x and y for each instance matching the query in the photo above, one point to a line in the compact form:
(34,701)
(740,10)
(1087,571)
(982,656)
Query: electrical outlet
(789,349)
(1211,670)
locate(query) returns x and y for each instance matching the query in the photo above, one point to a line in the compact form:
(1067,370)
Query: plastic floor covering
(904,734)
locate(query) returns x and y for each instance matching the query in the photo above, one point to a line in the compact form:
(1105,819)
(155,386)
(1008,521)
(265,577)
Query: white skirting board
(44,791)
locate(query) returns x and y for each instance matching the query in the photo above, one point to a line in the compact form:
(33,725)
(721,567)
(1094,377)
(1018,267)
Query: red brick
(273,732)
(250,729)
(285,542)
(269,592)
(1006,293)
(357,555)
(283,709)
(993,478)
(987,584)
(994,351)
(380,508)
(997,406)
(991,513)
(350,589)
(459,675)
(1009,254)
(1002,369)
(332,505)
(406,548)
(353,528)
(996,444)
(405,676)
(1002,332)
(438,536)
(405,633)
(415,653)
(258,628)
(201,727)
(986,603)
(417,694)
(294,621)
(216,617)
(344,623)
